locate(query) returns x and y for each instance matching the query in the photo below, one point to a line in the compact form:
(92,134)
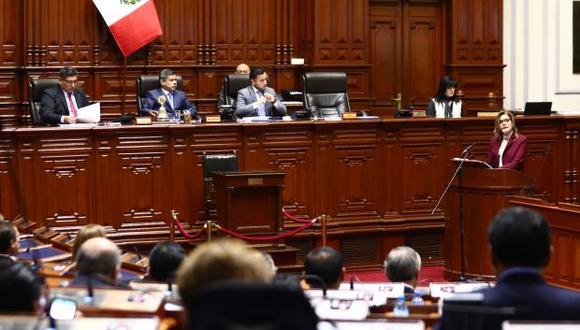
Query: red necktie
(71,104)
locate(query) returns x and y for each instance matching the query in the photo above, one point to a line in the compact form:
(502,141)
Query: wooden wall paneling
(475,59)
(571,159)
(184,189)
(144,166)
(422,152)
(61,165)
(107,185)
(392,170)
(292,150)
(11,45)
(8,167)
(385,55)
(354,163)
(423,45)
(178,44)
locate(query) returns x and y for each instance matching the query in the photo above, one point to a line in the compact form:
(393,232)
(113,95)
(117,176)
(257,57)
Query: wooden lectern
(481,193)
(250,202)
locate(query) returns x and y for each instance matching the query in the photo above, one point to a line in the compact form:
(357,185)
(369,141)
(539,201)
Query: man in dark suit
(98,262)
(520,249)
(326,264)
(174,98)
(258,99)
(59,105)
(402,265)
(9,243)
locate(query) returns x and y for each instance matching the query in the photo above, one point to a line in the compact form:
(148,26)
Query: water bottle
(417,299)
(400,309)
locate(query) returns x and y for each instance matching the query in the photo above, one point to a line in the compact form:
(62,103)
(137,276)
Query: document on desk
(89,114)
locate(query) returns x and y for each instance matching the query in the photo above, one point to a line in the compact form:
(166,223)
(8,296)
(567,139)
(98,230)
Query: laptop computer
(537,108)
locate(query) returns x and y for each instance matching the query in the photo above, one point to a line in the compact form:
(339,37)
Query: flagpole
(123,86)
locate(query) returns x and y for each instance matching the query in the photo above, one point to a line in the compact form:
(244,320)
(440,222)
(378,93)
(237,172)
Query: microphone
(354,277)
(464,152)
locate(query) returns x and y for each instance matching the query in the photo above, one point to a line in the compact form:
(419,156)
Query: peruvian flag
(133,23)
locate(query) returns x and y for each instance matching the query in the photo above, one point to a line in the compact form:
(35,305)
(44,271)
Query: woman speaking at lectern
(507,148)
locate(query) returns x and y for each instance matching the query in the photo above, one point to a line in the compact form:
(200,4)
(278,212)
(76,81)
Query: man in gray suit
(258,99)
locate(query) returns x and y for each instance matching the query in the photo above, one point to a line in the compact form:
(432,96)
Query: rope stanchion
(293,218)
(266,238)
(187,235)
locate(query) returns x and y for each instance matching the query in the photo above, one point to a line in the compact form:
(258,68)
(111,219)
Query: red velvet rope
(293,218)
(185,234)
(266,238)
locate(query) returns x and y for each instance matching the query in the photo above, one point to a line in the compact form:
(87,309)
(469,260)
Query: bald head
(243,68)
(99,256)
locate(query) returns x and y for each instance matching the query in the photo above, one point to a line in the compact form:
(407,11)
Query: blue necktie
(170,99)
(261,107)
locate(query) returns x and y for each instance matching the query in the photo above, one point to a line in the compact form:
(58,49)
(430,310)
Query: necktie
(170,99)
(71,104)
(261,107)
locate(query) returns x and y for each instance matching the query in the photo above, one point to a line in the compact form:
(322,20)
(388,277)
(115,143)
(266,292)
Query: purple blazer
(513,155)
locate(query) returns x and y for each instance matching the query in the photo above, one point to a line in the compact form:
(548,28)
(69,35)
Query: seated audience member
(87,232)
(98,262)
(174,98)
(220,260)
(403,265)
(326,263)
(19,289)
(164,260)
(445,104)
(520,248)
(270,262)
(9,243)
(60,104)
(258,99)
(242,68)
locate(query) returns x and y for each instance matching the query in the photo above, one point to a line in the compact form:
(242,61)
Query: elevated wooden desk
(376,179)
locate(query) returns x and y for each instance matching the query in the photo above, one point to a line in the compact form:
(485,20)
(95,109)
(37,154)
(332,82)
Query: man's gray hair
(98,256)
(402,264)
(165,73)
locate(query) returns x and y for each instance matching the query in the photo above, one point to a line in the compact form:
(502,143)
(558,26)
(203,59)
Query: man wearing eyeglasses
(60,104)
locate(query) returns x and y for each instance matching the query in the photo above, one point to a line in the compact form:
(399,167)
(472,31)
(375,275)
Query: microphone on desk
(354,277)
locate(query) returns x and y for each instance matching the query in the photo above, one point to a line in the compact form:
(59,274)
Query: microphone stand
(458,173)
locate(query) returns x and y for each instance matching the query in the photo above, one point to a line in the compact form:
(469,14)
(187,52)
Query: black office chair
(232,84)
(237,306)
(215,163)
(35,89)
(147,83)
(326,93)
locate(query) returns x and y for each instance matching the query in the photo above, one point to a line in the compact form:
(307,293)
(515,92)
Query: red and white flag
(133,23)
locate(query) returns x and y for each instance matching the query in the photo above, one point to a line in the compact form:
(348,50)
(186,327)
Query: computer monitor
(537,108)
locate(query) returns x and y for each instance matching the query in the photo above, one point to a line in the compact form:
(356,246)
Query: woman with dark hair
(507,148)
(445,104)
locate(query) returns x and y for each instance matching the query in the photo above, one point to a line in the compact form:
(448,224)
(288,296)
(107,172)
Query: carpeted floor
(427,275)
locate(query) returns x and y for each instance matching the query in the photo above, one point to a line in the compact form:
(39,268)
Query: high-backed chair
(326,93)
(149,82)
(235,306)
(215,163)
(35,89)
(232,84)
